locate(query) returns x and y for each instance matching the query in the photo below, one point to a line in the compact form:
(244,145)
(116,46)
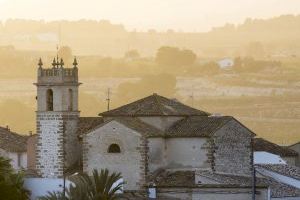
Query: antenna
(192,96)
(56,52)
(108,98)
(59,33)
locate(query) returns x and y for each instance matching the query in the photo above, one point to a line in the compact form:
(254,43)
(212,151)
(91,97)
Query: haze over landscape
(188,15)
(136,51)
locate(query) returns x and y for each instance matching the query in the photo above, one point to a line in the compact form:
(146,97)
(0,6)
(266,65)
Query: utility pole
(192,96)
(253,170)
(64,163)
(108,98)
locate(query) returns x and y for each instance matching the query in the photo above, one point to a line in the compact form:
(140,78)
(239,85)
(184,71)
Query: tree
(132,54)
(11,183)
(188,57)
(98,187)
(174,56)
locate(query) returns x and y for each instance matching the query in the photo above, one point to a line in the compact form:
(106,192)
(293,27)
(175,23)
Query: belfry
(57,118)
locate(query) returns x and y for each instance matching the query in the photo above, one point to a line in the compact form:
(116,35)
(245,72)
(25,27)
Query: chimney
(216,115)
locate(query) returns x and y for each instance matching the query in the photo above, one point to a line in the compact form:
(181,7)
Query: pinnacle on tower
(40,64)
(75,62)
(61,63)
(54,63)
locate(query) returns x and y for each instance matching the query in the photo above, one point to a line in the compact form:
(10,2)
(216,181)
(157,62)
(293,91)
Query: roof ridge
(158,103)
(163,107)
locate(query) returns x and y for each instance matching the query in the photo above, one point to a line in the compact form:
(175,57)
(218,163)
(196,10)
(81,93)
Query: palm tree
(100,186)
(11,183)
(5,168)
(54,196)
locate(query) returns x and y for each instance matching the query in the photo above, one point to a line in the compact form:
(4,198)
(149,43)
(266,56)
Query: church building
(155,142)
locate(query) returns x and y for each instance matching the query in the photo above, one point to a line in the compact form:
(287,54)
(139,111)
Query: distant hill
(278,36)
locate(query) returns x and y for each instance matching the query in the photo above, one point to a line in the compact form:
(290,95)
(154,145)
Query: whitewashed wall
(14,159)
(41,186)
(186,153)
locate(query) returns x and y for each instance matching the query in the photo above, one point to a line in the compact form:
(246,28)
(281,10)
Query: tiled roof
(12,142)
(193,126)
(174,179)
(155,105)
(134,124)
(286,170)
(86,124)
(231,179)
(261,144)
(140,126)
(199,126)
(187,179)
(295,144)
(281,190)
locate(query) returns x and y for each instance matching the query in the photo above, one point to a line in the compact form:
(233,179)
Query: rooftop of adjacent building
(261,144)
(11,141)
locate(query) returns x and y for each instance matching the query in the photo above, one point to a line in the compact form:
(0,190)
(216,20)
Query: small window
(114,148)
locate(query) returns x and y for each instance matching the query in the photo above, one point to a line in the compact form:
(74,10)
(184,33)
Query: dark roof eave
(178,136)
(149,115)
(211,186)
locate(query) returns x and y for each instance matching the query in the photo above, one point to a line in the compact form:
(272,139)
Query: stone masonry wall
(56,131)
(131,162)
(72,145)
(49,149)
(232,149)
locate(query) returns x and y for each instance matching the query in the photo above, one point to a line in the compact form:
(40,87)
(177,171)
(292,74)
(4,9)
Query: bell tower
(57,118)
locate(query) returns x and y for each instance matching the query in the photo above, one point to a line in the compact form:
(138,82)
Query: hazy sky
(187,15)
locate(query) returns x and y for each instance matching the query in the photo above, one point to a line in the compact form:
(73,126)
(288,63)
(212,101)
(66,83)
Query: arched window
(114,148)
(49,100)
(70,108)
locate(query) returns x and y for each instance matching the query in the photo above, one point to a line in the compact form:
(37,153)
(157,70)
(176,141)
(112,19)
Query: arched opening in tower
(49,100)
(70,100)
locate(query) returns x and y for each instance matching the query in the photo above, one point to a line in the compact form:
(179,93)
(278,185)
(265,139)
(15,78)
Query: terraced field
(270,108)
